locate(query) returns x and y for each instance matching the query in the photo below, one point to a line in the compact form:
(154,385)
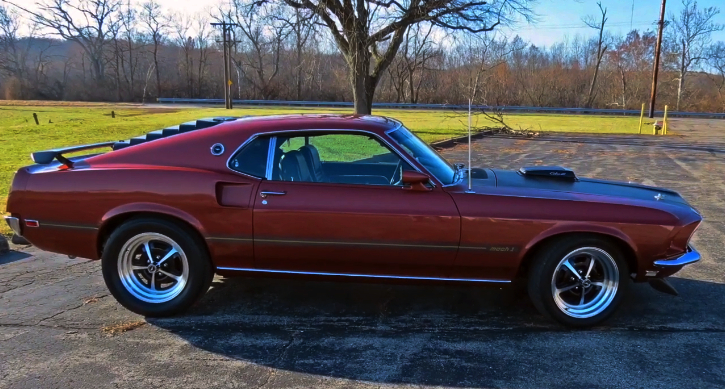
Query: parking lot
(59,327)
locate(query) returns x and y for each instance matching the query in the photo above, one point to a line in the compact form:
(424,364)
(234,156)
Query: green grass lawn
(81,123)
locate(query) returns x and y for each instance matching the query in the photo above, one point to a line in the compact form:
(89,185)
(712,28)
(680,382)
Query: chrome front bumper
(14,224)
(691,256)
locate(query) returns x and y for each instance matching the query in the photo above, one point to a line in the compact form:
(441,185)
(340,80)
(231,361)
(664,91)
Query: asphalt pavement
(59,327)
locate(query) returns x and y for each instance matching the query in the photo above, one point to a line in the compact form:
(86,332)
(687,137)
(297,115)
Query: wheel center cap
(586,283)
(151,268)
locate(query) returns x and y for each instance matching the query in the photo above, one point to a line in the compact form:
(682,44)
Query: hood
(564,180)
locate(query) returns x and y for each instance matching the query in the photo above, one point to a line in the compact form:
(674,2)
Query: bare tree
(181,24)
(406,70)
(630,56)
(301,24)
(89,23)
(155,24)
(418,49)
(262,36)
(289,52)
(369,32)
(691,31)
(601,49)
(133,46)
(23,60)
(716,60)
(117,58)
(13,55)
(203,36)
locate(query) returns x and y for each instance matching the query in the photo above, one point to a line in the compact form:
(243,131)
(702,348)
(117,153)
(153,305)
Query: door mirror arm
(415,181)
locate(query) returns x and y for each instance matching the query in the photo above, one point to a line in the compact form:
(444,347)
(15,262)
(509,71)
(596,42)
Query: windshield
(434,163)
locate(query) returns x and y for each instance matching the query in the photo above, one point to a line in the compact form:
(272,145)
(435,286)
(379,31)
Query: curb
(448,143)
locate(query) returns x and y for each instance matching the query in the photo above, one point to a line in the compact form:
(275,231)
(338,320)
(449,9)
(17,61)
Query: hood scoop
(554,172)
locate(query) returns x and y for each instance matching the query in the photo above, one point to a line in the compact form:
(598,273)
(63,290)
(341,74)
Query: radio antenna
(470,189)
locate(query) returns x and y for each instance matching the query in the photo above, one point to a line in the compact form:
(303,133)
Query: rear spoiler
(47,156)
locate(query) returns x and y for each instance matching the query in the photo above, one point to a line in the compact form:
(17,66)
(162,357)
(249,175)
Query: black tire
(200,269)
(546,263)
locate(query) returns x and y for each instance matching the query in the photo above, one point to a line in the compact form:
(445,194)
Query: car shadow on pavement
(13,256)
(461,335)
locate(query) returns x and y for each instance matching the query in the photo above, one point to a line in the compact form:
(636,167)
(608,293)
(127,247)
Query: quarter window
(252,158)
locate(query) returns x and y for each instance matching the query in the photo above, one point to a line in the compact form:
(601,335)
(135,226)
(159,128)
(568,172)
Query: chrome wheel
(585,282)
(153,268)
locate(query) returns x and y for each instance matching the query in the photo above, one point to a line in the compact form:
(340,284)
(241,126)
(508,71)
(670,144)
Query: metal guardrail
(440,107)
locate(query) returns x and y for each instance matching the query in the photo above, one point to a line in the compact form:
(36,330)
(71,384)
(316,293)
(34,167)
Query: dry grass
(116,329)
(41,103)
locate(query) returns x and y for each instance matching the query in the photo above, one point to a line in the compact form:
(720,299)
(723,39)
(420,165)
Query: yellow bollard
(641,118)
(664,123)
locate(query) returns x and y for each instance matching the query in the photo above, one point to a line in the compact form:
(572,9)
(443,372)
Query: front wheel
(578,281)
(155,268)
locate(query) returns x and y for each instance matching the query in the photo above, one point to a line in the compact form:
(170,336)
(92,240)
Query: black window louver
(173,130)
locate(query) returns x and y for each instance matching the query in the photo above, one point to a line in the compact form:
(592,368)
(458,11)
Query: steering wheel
(397,172)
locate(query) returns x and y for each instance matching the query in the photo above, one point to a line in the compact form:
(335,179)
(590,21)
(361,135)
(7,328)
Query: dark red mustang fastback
(360,197)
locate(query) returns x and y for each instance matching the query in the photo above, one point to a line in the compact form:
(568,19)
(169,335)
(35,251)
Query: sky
(556,19)
(560,18)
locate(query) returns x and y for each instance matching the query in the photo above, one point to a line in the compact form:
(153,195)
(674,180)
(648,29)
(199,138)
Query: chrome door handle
(266,193)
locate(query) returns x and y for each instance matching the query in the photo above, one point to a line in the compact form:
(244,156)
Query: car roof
(296,122)
(237,131)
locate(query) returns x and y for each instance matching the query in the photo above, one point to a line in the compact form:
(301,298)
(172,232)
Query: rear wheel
(578,281)
(155,268)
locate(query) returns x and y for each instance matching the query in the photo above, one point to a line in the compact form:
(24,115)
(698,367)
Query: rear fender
(153,208)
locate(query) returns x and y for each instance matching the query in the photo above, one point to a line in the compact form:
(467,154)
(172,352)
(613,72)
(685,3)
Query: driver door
(333,203)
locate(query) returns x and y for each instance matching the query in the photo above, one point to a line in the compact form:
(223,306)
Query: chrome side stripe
(351,243)
(495,249)
(74,226)
(230,239)
(360,275)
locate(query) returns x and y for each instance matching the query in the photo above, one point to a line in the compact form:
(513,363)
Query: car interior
(304,164)
(347,159)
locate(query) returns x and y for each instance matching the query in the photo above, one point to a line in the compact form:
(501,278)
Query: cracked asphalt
(59,328)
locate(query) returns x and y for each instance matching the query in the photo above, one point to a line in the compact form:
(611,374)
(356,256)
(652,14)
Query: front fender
(563,228)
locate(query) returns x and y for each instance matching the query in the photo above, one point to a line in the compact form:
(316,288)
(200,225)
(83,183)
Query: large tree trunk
(363,85)
(97,71)
(363,90)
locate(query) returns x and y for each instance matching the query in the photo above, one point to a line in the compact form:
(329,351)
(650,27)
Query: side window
(337,158)
(351,148)
(252,158)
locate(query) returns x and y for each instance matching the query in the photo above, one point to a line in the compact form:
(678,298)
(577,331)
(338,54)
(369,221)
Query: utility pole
(226,44)
(658,48)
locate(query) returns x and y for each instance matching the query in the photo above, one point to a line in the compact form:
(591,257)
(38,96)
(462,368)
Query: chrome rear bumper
(691,256)
(14,224)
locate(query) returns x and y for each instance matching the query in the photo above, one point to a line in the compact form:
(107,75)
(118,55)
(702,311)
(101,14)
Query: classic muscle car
(347,197)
